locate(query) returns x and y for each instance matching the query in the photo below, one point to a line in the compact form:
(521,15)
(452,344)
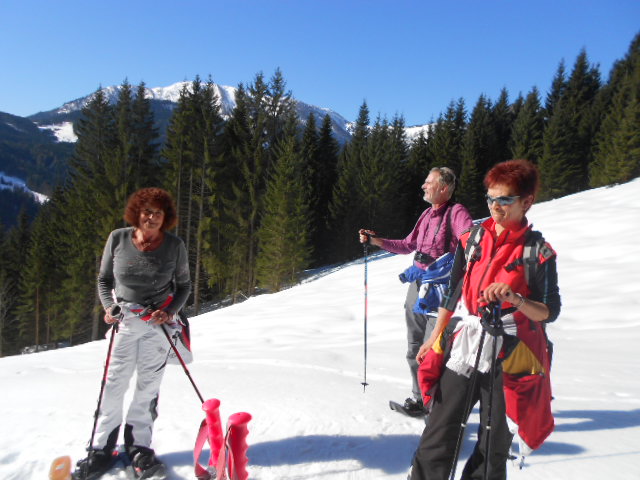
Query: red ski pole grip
(237,425)
(214,427)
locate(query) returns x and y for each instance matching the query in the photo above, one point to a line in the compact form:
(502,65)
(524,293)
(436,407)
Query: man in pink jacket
(436,233)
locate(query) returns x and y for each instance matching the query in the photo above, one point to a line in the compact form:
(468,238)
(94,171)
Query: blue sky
(405,57)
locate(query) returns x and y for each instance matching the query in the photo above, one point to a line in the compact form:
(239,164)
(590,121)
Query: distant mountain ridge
(36,148)
(32,154)
(165,99)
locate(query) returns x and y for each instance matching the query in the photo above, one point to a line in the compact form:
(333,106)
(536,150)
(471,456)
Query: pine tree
(192,151)
(256,126)
(528,129)
(503,119)
(568,138)
(6,305)
(207,191)
(617,156)
(373,185)
(312,172)
(558,87)
(145,141)
(347,212)
(93,174)
(445,143)
(284,230)
(478,156)
(37,289)
(516,108)
(15,246)
(325,177)
(396,169)
(178,159)
(237,152)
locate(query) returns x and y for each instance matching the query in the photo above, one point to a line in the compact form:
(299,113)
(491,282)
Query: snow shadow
(389,453)
(547,448)
(590,420)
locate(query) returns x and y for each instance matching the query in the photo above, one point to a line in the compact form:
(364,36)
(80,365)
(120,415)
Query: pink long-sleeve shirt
(429,234)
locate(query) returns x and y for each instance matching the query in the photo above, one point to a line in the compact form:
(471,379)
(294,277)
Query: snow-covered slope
(13,183)
(294,360)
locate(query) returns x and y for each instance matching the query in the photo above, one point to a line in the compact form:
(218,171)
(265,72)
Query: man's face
(434,192)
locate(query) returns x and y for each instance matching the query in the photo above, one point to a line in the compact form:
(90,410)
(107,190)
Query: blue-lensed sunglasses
(502,200)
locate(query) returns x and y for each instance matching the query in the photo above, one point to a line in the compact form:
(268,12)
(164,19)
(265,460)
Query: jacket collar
(507,236)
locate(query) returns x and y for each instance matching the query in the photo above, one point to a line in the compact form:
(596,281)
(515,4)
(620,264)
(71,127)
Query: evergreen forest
(263,196)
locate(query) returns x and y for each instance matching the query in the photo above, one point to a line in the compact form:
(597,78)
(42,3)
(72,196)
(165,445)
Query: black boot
(145,464)
(414,408)
(96,464)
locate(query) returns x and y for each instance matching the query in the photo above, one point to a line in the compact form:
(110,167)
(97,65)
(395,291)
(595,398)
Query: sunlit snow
(294,360)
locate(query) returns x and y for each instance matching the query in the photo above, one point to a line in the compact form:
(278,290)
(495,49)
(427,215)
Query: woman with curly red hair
(457,366)
(143,283)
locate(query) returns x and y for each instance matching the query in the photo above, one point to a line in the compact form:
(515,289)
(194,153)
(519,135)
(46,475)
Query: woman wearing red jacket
(495,273)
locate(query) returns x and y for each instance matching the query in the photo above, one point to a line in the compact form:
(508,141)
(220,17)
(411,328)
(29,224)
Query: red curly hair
(157,197)
(521,175)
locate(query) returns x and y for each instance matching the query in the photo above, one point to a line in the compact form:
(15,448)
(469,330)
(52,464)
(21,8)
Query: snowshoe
(411,407)
(96,464)
(145,464)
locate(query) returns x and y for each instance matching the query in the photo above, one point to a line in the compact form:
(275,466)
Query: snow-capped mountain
(163,101)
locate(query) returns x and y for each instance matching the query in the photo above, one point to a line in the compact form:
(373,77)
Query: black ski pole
(115,313)
(366,305)
(468,406)
(496,314)
(184,365)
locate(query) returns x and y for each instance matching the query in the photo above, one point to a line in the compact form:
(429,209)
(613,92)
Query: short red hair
(156,197)
(520,175)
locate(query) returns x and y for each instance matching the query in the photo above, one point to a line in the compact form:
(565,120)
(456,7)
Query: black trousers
(434,456)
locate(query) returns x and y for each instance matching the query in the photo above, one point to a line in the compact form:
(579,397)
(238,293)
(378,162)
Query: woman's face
(151,218)
(507,215)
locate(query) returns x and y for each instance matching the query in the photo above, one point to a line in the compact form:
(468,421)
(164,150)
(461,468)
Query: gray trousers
(138,347)
(419,328)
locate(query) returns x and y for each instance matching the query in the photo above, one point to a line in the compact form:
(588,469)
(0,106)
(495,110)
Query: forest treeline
(263,196)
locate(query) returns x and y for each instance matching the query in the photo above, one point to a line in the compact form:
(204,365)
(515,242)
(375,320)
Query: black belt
(423,258)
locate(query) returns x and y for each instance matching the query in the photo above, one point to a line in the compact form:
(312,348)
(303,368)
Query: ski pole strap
(202,472)
(216,467)
(182,362)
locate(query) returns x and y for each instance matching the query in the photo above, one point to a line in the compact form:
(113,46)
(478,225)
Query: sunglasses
(502,200)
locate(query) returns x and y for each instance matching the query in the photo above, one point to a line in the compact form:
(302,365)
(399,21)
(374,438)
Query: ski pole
(497,325)
(184,365)
(468,406)
(365,246)
(115,312)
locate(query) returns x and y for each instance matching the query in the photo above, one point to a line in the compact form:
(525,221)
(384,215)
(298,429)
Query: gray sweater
(146,278)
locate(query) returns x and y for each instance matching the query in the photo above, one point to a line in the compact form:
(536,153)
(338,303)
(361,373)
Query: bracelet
(522,300)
